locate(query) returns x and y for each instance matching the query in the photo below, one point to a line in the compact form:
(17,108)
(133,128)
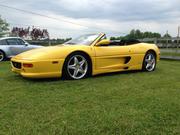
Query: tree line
(137,34)
(33,33)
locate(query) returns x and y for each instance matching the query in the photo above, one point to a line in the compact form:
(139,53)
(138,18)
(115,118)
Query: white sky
(113,17)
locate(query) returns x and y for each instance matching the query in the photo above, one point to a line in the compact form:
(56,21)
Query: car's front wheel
(2,56)
(76,67)
(149,63)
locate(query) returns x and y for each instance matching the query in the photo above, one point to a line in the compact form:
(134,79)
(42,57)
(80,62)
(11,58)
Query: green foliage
(127,103)
(62,40)
(137,34)
(3,27)
(117,38)
(167,35)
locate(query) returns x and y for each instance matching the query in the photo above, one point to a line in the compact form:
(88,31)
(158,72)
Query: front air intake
(16,65)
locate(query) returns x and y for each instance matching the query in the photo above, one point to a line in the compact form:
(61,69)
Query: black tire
(152,62)
(66,72)
(2,56)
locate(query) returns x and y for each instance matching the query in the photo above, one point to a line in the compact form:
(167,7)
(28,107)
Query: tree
(34,33)
(137,34)
(3,27)
(167,35)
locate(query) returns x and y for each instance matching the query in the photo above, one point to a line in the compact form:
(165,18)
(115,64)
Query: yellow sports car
(84,56)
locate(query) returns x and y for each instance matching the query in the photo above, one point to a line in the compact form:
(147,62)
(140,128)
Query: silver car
(11,46)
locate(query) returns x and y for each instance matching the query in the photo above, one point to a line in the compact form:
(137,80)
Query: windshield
(84,40)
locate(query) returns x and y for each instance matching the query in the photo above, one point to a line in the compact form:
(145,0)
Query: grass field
(121,103)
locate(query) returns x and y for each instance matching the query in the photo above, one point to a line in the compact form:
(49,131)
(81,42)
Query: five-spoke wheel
(149,63)
(76,67)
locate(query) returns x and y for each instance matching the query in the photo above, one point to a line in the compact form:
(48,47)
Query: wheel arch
(153,51)
(3,52)
(149,51)
(85,54)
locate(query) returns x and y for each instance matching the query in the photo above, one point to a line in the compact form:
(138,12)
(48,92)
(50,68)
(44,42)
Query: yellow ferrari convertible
(84,56)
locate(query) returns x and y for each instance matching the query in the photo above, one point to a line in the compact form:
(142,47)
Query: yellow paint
(104,58)
(103,42)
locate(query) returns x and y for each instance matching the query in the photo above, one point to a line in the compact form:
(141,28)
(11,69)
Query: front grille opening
(16,64)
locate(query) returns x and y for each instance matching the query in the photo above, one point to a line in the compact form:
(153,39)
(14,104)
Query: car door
(113,57)
(15,46)
(18,45)
(24,45)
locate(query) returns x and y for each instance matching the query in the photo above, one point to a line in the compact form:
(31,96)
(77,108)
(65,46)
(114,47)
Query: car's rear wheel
(149,63)
(2,56)
(76,67)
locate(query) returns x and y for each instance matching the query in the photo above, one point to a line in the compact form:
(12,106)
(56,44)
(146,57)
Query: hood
(44,53)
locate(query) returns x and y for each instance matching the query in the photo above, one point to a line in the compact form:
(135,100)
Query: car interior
(123,42)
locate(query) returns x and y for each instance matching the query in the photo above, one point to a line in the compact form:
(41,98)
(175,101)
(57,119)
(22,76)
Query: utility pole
(49,40)
(167,33)
(167,39)
(178,39)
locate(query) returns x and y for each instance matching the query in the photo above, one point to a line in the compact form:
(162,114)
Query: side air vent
(127,59)
(16,64)
(126,67)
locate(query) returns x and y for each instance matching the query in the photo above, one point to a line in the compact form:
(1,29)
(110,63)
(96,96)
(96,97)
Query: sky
(114,17)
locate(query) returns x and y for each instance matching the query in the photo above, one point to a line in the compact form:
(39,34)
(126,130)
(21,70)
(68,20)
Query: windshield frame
(76,42)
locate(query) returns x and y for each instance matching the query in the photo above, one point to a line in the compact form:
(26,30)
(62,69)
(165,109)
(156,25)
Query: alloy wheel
(150,62)
(77,66)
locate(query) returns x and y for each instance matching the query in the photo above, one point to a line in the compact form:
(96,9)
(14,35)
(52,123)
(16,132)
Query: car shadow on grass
(117,73)
(91,77)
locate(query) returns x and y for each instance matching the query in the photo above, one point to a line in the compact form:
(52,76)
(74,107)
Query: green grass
(121,103)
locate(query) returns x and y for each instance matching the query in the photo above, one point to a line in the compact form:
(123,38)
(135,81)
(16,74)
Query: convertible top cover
(124,42)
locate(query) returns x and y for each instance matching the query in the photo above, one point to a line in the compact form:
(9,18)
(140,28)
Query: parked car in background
(11,46)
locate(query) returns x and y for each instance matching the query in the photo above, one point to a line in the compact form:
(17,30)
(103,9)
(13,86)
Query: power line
(55,28)
(57,19)
(31,25)
(30,12)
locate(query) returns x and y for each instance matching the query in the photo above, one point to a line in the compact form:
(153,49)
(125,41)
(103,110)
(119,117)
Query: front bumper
(41,68)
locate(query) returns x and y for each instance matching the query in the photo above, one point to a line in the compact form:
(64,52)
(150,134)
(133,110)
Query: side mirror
(26,44)
(103,42)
